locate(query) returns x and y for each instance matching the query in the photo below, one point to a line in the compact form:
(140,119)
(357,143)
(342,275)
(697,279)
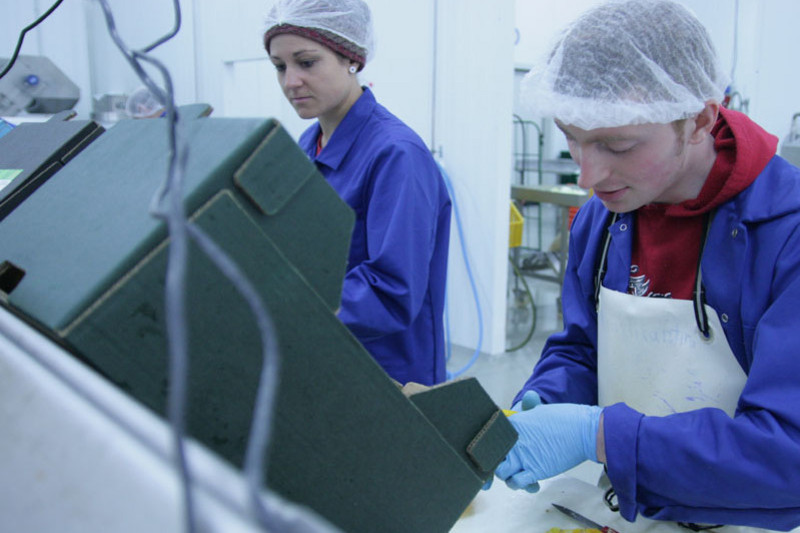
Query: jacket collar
(344,137)
(776,192)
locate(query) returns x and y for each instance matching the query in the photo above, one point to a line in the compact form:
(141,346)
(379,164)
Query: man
(677,365)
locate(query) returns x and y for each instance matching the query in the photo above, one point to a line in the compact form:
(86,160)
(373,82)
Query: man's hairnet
(627,62)
(347,19)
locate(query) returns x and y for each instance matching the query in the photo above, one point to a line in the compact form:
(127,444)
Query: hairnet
(344,25)
(143,104)
(627,62)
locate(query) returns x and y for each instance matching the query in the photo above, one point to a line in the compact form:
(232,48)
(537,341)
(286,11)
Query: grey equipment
(35,85)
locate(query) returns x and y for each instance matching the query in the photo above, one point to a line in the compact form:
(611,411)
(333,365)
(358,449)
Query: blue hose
(453,375)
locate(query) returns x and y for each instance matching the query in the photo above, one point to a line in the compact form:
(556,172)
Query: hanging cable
(167,205)
(177,259)
(465,255)
(261,429)
(25,30)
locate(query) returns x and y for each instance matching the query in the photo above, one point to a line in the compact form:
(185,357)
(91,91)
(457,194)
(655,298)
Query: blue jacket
(702,466)
(393,292)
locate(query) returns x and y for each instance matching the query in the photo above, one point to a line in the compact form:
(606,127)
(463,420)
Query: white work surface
(502,510)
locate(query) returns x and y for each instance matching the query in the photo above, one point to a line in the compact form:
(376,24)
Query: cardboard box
(83,260)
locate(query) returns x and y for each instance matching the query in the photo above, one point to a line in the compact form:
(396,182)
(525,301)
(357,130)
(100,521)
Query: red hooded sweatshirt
(666,246)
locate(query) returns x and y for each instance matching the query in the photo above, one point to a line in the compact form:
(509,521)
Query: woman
(393,291)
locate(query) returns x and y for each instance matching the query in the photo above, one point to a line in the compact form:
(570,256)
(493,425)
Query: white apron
(653,357)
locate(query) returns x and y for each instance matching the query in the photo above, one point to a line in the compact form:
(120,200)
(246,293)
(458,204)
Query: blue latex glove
(529,400)
(552,439)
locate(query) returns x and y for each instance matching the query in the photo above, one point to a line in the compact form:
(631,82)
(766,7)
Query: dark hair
(340,45)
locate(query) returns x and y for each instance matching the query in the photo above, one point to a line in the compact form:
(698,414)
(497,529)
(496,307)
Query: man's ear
(704,121)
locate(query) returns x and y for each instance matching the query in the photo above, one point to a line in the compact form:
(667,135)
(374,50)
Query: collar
(344,137)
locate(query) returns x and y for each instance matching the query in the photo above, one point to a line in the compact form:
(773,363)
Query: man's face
(631,166)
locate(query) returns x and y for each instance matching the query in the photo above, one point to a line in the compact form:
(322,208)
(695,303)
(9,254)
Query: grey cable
(167,205)
(177,258)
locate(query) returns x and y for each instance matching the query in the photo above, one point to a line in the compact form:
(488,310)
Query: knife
(583,520)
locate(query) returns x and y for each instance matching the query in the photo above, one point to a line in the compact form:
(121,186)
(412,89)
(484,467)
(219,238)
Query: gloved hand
(552,439)
(529,400)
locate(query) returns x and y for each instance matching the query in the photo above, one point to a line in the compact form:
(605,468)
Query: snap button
(724,318)
(735,232)
(623,227)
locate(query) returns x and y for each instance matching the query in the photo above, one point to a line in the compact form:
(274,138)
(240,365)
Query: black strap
(602,263)
(611,500)
(699,527)
(699,296)
(699,292)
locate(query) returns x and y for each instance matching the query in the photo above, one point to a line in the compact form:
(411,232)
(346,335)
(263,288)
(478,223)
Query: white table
(502,510)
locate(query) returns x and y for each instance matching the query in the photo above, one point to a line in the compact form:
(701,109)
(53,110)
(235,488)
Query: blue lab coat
(702,466)
(393,292)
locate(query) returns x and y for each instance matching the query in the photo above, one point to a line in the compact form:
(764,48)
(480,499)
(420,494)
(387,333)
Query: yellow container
(515,227)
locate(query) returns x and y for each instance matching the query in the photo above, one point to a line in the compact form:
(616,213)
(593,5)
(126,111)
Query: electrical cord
(25,30)
(261,429)
(167,205)
(177,259)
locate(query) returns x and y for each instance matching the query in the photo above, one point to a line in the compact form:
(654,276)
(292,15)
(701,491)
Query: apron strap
(699,293)
(699,297)
(602,264)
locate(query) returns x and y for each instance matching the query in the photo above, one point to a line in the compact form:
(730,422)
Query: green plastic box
(83,261)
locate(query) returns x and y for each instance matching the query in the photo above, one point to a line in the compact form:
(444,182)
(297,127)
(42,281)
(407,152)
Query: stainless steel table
(564,196)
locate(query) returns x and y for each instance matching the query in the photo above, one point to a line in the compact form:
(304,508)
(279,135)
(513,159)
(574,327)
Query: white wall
(139,24)
(235,76)
(474,92)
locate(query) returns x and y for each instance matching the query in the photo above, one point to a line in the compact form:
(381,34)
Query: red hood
(743,150)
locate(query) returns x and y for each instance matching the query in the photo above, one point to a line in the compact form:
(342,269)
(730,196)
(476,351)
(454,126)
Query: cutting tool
(583,520)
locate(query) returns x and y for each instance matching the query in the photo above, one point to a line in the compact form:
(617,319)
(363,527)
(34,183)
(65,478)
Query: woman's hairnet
(347,24)
(627,62)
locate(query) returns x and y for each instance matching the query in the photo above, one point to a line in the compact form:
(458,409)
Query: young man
(677,365)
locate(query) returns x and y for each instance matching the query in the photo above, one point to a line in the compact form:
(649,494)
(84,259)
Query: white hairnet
(143,104)
(627,62)
(348,19)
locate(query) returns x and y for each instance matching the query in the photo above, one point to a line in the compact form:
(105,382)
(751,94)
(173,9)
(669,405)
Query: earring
(353,69)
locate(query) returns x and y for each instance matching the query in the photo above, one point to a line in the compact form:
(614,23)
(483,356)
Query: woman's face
(315,80)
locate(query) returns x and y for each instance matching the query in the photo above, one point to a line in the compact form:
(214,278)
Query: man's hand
(552,439)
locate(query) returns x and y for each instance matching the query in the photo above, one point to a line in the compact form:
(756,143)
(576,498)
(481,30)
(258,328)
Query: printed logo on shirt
(639,285)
